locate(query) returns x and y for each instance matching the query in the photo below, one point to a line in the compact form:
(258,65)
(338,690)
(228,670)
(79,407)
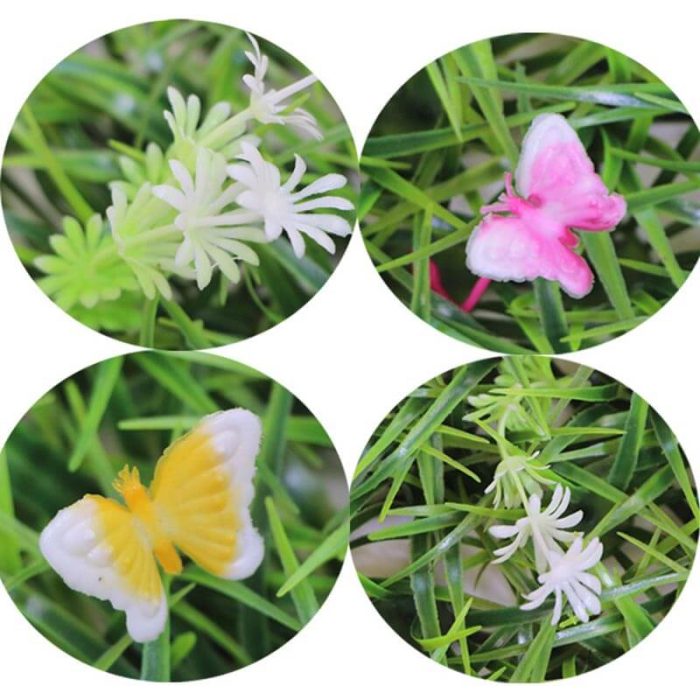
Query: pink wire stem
(472,299)
(476,293)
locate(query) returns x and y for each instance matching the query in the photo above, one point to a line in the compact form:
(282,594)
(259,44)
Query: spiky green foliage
(430,463)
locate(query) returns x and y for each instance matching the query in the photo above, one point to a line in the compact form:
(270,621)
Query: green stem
(155,659)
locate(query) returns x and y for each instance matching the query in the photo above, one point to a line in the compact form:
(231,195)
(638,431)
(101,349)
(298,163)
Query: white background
(354,351)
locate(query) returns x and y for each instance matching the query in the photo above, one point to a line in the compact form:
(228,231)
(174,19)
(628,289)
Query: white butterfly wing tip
(250,553)
(67,541)
(546,129)
(482,260)
(146,621)
(235,432)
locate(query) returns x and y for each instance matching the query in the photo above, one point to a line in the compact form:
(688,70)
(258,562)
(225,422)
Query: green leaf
(10,560)
(241,593)
(275,428)
(111,656)
(631,95)
(302,594)
(671,449)
(433,139)
(174,376)
(423,587)
(332,547)
(535,661)
(601,252)
(476,62)
(625,464)
(420,297)
(552,314)
(107,374)
(182,647)
(35,141)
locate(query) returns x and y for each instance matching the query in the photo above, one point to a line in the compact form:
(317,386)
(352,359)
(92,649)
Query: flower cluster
(201,205)
(560,557)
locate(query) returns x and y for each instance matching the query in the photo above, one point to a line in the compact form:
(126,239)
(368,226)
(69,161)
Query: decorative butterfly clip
(198,503)
(528,235)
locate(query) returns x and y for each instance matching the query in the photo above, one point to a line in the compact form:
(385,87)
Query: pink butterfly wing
(555,172)
(517,249)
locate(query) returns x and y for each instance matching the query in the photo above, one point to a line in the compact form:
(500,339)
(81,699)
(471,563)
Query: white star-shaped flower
(546,528)
(212,233)
(282,209)
(568,577)
(268,106)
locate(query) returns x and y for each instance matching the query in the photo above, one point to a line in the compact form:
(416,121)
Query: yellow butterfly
(199,501)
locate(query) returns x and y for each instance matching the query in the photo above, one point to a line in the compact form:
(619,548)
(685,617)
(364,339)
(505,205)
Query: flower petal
(326,183)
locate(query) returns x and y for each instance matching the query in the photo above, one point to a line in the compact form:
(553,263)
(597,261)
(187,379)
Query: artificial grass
(438,152)
(104,104)
(126,411)
(427,468)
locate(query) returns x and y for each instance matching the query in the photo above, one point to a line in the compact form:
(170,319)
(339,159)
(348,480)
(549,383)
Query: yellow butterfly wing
(97,547)
(202,491)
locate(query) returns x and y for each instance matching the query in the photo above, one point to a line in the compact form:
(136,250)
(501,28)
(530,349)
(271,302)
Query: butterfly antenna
(127,480)
(510,192)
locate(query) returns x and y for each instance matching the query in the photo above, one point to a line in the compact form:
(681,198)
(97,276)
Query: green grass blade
(10,560)
(181,648)
(601,252)
(552,314)
(107,374)
(112,655)
(670,447)
(420,296)
(423,587)
(275,428)
(241,593)
(36,142)
(476,61)
(332,547)
(625,464)
(535,661)
(176,379)
(302,594)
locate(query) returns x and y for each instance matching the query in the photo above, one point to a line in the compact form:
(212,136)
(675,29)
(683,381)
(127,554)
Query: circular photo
(533,193)
(170,518)
(179,185)
(523,519)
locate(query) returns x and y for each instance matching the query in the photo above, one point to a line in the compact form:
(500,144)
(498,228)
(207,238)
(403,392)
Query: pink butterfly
(529,235)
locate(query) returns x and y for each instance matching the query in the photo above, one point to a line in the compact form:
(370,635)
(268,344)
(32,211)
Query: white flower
(568,577)
(268,107)
(282,209)
(212,236)
(514,474)
(546,528)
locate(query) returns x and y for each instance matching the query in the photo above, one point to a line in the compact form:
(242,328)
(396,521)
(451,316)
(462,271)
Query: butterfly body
(198,503)
(527,234)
